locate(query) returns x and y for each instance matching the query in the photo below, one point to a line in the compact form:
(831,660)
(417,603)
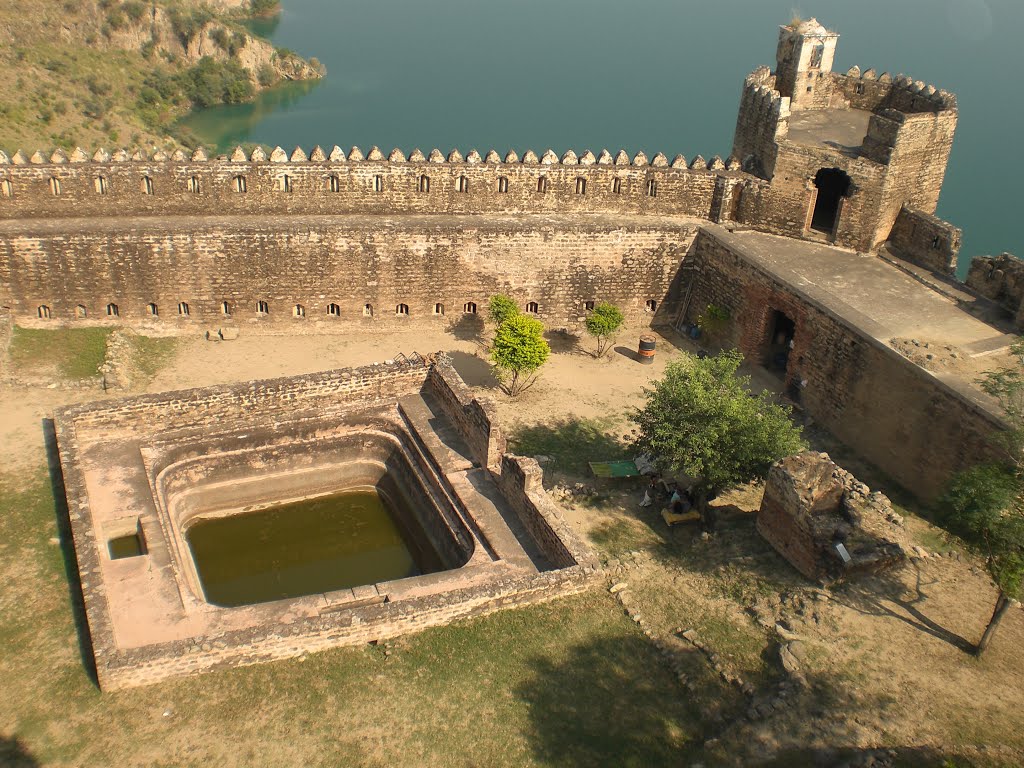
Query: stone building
(845,155)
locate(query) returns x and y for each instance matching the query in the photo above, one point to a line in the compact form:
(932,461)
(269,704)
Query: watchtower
(843,155)
(803,62)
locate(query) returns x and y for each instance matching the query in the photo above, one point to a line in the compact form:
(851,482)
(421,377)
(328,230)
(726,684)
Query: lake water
(319,545)
(651,75)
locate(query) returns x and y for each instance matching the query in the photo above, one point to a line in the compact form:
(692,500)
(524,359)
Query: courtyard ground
(676,662)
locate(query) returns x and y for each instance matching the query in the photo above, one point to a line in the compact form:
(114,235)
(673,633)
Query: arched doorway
(833,185)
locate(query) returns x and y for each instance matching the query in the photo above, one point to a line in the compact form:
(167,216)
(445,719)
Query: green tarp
(614,469)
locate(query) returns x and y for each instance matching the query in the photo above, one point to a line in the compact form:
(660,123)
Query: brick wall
(762,119)
(620,185)
(474,419)
(348,262)
(212,406)
(783,206)
(521,484)
(916,148)
(902,418)
(1001,279)
(926,240)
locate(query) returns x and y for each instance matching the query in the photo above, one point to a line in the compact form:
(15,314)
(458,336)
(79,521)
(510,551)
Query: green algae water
(319,545)
(651,75)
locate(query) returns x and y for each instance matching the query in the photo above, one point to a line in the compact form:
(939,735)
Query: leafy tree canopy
(985,507)
(501,308)
(602,323)
(985,504)
(519,349)
(701,419)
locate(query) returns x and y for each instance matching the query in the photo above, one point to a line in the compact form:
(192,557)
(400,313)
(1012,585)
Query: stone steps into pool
(440,442)
(438,435)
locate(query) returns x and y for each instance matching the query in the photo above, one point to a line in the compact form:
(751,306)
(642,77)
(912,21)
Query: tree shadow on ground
(469,327)
(570,442)
(908,756)
(887,595)
(67,549)
(475,371)
(610,701)
(563,342)
(14,754)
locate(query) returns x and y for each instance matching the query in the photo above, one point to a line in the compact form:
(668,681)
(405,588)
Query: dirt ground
(882,664)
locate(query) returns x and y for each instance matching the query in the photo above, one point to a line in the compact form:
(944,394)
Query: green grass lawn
(571,443)
(567,683)
(74,353)
(150,353)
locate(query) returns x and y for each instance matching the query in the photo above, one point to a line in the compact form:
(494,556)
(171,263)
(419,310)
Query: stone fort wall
(329,271)
(901,160)
(60,186)
(921,429)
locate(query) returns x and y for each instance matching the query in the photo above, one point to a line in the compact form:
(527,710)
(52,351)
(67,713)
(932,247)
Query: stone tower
(843,154)
(803,63)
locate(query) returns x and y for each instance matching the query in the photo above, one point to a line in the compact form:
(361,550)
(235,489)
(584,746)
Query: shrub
(602,323)
(519,350)
(266,76)
(501,308)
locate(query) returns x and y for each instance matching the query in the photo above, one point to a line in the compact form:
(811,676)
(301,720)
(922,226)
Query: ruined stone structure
(152,466)
(1001,279)
(811,505)
(331,239)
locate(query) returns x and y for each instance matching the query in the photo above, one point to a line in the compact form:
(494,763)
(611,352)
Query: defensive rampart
(320,272)
(121,185)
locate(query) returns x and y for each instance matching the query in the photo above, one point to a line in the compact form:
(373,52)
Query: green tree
(701,420)
(985,504)
(519,350)
(602,323)
(501,308)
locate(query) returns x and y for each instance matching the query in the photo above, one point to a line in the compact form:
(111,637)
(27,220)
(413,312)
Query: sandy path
(573,382)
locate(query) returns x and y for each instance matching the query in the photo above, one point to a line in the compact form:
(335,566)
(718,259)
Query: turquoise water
(651,75)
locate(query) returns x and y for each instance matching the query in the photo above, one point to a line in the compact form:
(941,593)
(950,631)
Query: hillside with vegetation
(122,72)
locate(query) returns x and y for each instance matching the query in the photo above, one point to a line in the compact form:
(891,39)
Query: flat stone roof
(862,288)
(840,129)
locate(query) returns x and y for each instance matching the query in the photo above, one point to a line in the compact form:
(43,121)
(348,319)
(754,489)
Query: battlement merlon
(318,182)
